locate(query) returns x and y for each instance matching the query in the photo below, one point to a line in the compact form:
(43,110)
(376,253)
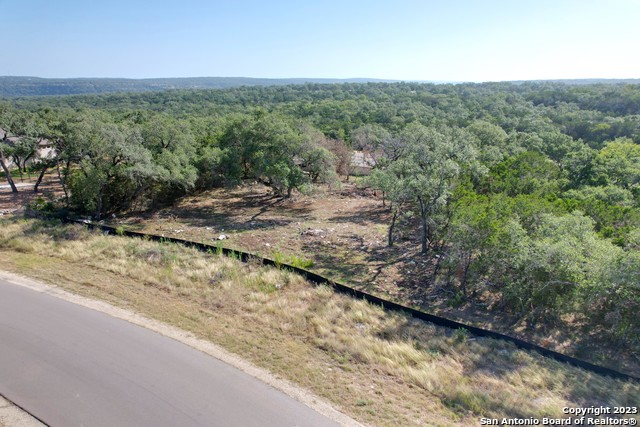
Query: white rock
(313,232)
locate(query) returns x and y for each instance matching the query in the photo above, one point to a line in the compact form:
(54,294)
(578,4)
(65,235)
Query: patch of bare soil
(10,202)
(344,231)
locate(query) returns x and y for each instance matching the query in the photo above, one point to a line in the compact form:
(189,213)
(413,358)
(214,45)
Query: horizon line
(372,79)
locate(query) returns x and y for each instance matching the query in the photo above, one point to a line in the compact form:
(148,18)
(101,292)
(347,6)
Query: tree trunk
(436,269)
(35,188)
(423,217)
(7,173)
(465,271)
(393,223)
(62,182)
(98,213)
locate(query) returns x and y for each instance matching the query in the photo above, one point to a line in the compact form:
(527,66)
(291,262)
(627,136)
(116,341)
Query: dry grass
(380,368)
(343,231)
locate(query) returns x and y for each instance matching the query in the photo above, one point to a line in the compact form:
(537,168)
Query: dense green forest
(531,190)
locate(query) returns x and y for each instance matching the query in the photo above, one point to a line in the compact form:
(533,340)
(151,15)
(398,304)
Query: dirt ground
(10,202)
(343,232)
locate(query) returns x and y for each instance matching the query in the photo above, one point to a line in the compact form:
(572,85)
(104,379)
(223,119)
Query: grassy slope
(344,231)
(381,368)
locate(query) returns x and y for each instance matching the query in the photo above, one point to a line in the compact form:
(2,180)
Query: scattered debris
(223,237)
(313,232)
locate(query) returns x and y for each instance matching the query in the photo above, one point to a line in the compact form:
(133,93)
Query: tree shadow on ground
(377,215)
(352,265)
(203,217)
(229,210)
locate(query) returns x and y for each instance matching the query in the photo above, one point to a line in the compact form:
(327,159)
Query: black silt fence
(372,299)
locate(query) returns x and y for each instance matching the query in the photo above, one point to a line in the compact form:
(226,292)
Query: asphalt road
(72,366)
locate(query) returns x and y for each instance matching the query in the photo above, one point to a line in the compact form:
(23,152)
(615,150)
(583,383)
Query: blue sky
(455,40)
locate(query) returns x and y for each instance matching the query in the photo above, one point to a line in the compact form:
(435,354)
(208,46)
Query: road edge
(294,391)
(12,415)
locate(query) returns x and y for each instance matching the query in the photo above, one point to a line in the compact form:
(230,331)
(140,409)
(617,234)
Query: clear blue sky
(446,40)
